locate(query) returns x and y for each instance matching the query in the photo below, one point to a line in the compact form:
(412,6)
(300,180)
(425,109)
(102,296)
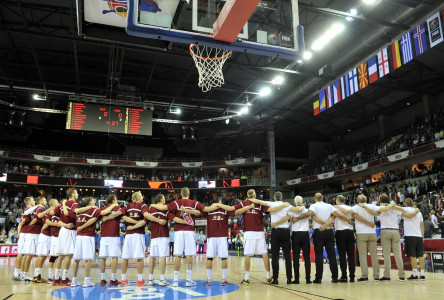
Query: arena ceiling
(44,49)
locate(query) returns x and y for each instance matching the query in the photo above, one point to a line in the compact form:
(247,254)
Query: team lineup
(66,230)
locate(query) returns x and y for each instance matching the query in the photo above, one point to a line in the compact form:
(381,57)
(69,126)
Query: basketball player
(184,236)
(110,242)
(134,245)
(159,239)
(217,232)
(54,226)
(22,231)
(84,248)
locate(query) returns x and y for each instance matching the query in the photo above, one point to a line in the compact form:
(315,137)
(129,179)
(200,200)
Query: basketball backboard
(271,28)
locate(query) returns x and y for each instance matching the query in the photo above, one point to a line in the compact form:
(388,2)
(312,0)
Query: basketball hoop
(209,62)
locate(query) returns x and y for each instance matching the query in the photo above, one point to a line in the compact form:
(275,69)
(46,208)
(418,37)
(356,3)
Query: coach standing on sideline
(345,241)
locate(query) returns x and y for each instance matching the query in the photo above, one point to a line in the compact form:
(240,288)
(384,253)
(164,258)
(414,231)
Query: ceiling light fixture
(354,12)
(38,97)
(244,110)
(278,80)
(264,92)
(328,35)
(307,55)
(369,2)
(227,121)
(175,110)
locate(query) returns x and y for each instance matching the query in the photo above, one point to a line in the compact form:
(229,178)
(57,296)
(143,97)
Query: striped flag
(329,96)
(383,63)
(420,40)
(343,88)
(396,56)
(322,102)
(372,70)
(363,76)
(406,46)
(353,81)
(336,91)
(316,108)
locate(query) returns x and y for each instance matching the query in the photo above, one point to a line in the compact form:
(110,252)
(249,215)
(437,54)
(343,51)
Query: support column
(425,102)
(381,123)
(272,154)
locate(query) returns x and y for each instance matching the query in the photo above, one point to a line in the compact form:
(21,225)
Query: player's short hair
(85,202)
(278,196)
(340,198)
(28,199)
(185,192)
(70,192)
(52,202)
(384,198)
(298,200)
(40,199)
(361,199)
(110,199)
(159,198)
(318,197)
(135,194)
(251,193)
(409,202)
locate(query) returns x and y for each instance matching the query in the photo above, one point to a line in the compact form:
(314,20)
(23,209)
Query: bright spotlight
(38,97)
(244,110)
(369,1)
(278,80)
(338,27)
(265,92)
(227,121)
(307,55)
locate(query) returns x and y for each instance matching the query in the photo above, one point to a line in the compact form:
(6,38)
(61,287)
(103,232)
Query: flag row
(400,52)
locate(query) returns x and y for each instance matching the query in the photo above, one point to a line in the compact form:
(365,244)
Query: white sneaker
(88,283)
(150,283)
(163,283)
(74,282)
(26,278)
(175,284)
(190,283)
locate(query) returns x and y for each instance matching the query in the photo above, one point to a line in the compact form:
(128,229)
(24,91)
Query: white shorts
(134,246)
(184,243)
(43,245)
(85,248)
(255,246)
(217,246)
(54,242)
(160,247)
(109,247)
(30,247)
(21,243)
(67,240)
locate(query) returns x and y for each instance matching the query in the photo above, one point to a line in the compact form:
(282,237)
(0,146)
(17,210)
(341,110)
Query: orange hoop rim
(208,58)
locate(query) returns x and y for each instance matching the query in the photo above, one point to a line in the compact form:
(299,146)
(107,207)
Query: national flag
(346,86)
(316,108)
(396,56)
(342,88)
(363,76)
(336,91)
(329,96)
(419,38)
(383,63)
(353,81)
(406,46)
(372,70)
(322,102)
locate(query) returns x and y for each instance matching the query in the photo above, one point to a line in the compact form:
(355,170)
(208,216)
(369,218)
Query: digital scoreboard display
(106,118)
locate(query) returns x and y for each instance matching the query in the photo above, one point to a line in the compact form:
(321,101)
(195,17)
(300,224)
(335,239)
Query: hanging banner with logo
(435,29)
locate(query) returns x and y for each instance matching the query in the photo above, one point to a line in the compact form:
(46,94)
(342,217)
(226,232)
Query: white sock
(162,276)
(17,272)
(415,272)
(57,274)
(102,276)
(224,274)
(37,272)
(139,277)
(74,279)
(268,274)
(87,279)
(151,276)
(176,276)
(50,273)
(21,274)
(247,275)
(123,276)
(422,273)
(65,274)
(113,276)
(209,271)
(189,274)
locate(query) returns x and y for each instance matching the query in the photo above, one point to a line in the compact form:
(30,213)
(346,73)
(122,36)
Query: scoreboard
(107,118)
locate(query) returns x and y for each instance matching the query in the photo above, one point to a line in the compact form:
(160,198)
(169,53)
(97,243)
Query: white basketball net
(209,62)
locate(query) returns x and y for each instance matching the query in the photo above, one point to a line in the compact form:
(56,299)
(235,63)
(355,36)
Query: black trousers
(280,237)
(325,239)
(301,240)
(171,248)
(345,241)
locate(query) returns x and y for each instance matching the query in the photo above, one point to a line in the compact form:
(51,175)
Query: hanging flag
(329,96)
(353,81)
(435,29)
(420,40)
(336,91)
(316,108)
(363,76)
(322,102)
(383,63)
(406,47)
(346,86)
(372,70)
(396,56)
(342,88)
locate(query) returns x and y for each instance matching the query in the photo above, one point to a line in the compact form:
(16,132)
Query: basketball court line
(8,297)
